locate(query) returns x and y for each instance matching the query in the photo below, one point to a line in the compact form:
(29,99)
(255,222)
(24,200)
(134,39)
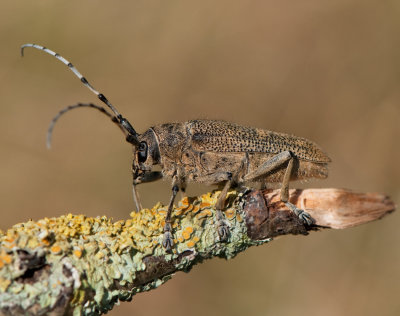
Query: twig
(75,265)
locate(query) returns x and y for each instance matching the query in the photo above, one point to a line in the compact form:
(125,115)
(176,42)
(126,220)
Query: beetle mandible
(210,152)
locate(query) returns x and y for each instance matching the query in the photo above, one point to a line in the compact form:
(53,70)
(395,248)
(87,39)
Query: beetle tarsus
(168,241)
(301,214)
(222,227)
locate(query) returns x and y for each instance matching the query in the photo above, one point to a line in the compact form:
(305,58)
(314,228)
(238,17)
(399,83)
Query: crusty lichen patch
(99,258)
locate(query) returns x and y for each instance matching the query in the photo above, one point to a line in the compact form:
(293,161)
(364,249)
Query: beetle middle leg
(222,227)
(228,179)
(271,165)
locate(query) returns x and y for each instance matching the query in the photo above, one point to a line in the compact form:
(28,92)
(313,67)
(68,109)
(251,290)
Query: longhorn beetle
(211,152)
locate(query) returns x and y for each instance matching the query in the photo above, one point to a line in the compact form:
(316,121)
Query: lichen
(99,253)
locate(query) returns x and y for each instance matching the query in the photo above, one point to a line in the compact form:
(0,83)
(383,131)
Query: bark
(75,265)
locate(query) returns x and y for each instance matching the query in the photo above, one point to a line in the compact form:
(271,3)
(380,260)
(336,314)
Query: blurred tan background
(325,70)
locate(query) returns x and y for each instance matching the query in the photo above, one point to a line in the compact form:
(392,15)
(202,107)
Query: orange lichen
(204,213)
(190,244)
(46,242)
(205,205)
(6,258)
(230,213)
(185,235)
(55,249)
(185,201)
(78,253)
(10,246)
(9,240)
(196,239)
(189,229)
(195,209)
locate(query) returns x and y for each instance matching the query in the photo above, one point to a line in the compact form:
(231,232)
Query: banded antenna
(79,105)
(132,136)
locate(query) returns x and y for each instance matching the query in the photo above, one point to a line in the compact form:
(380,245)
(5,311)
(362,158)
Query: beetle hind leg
(270,166)
(301,214)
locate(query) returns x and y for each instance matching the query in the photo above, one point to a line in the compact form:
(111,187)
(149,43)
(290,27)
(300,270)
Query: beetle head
(146,154)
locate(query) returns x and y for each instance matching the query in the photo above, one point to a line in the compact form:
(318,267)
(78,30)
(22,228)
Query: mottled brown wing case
(221,136)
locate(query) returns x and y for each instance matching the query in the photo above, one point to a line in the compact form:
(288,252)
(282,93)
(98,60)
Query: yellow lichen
(108,251)
(4,284)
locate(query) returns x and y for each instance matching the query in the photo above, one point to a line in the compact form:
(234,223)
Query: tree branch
(76,265)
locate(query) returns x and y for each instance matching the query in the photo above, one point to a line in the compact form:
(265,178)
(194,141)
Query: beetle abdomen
(221,136)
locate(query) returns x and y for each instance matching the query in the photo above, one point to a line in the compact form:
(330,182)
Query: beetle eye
(142,152)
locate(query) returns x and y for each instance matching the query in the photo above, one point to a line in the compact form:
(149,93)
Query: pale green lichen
(106,252)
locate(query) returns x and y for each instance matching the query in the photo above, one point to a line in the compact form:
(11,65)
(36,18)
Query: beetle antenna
(79,105)
(123,122)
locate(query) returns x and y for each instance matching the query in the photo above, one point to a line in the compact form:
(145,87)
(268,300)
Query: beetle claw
(223,231)
(301,214)
(222,227)
(168,240)
(306,218)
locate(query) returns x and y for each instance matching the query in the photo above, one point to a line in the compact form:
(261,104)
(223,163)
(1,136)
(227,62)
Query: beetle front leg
(136,198)
(182,189)
(143,178)
(168,240)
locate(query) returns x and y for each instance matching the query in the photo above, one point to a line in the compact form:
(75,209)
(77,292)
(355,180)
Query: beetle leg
(168,241)
(136,198)
(143,178)
(182,188)
(272,164)
(304,216)
(148,177)
(222,227)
